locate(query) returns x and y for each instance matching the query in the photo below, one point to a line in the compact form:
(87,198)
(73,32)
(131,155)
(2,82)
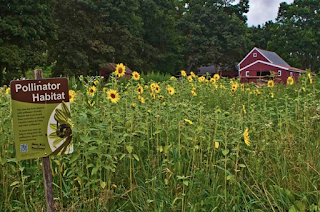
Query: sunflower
(270,83)
(290,81)
(193,93)
(157,89)
(213,80)
(192,74)
(170,90)
(310,78)
(91,90)
(242,86)
(72,95)
(133,105)
(160,97)
(141,99)
(190,78)
(201,79)
(96,82)
(113,95)
(172,78)
(135,75)
(153,86)
(152,95)
(120,70)
(234,87)
(188,121)
(246,136)
(216,76)
(244,110)
(8,91)
(271,95)
(183,73)
(140,89)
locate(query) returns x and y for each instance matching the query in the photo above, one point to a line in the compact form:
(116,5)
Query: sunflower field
(186,144)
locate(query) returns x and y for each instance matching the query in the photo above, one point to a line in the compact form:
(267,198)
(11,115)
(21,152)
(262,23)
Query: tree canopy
(81,37)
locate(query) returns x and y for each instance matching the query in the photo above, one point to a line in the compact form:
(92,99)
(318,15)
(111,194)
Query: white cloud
(261,11)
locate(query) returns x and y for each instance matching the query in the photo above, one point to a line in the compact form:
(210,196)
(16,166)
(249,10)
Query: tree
(25,28)
(296,36)
(212,35)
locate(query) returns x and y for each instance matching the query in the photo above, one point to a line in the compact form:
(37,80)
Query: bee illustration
(62,130)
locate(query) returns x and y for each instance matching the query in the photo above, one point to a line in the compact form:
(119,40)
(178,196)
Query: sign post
(42,122)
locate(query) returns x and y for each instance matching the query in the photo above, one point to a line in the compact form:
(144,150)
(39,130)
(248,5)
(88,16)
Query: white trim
(291,74)
(264,62)
(255,54)
(247,73)
(294,70)
(255,48)
(279,73)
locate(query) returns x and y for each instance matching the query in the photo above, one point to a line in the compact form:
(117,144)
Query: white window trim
(279,73)
(255,55)
(291,74)
(247,73)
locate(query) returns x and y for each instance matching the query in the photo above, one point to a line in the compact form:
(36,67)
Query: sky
(261,11)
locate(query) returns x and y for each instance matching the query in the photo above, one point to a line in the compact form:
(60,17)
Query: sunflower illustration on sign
(62,131)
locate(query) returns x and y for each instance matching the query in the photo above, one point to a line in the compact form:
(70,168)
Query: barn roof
(273,57)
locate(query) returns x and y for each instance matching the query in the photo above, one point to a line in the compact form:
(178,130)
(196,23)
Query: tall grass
(181,153)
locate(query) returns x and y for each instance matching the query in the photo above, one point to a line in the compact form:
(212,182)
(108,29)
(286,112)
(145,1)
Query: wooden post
(46,167)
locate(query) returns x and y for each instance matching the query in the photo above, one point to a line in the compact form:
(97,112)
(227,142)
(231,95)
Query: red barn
(260,63)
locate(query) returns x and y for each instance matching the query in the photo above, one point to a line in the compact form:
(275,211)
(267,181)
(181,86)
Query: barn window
(279,73)
(255,54)
(264,73)
(291,74)
(247,73)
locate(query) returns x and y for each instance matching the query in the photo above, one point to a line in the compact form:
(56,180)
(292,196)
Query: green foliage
(183,152)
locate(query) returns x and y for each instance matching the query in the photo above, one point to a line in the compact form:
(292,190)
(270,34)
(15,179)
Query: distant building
(259,63)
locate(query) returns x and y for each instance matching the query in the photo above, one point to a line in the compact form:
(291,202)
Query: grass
(133,156)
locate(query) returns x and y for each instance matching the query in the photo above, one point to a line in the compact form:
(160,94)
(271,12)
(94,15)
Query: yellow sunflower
(242,86)
(170,90)
(290,81)
(141,99)
(244,110)
(188,121)
(160,97)
(190,78)
(213,80)
(246,136)
(140,89)
(271,95)
(193,93)
(72,95)
(152,95)
(172,78)
(310,78)
(216,76)
(135,75)
(113,96)
(91,90)
(120,70)
(183,73)
(192,74)
(270,83)
(157,89)
(201,79)
(153,86)
(8,91)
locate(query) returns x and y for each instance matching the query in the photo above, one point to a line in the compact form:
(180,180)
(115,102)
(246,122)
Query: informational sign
(41,117)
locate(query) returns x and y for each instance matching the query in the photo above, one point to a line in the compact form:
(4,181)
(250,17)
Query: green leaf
(94,170)
(242,165)
(14,183)
(74,157)
(129,149)
(225,152)
(186,182)
(136,157)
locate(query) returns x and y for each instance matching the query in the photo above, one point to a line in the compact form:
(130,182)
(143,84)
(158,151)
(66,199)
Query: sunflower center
(120,70)
(113,96)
